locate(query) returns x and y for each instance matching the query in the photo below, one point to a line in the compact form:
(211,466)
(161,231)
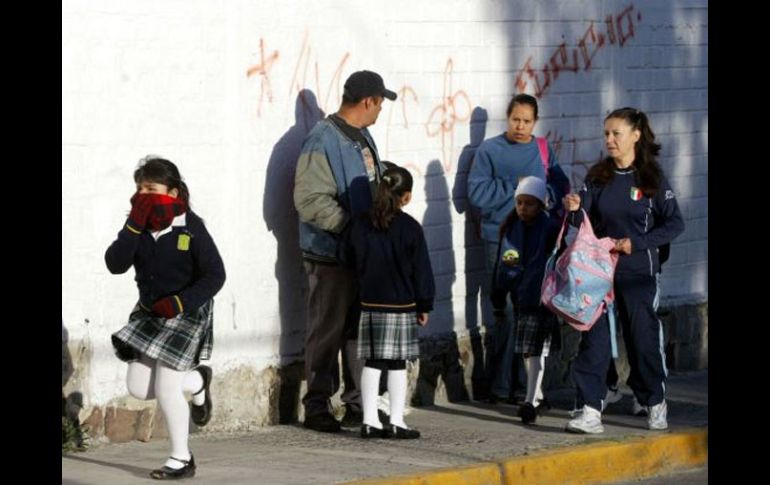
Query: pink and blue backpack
(578,285)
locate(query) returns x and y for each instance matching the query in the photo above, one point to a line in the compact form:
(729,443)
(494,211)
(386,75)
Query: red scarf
(164,209)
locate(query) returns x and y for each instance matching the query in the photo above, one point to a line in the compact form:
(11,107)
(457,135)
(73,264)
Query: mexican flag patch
(636,194)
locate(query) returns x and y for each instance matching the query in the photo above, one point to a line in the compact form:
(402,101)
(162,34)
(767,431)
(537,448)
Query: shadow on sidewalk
(508,416)
(134,470)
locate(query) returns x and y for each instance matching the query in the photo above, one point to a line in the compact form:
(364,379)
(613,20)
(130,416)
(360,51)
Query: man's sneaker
(637,409)
(613,396)
(589,421)
(657,417)
(325,423)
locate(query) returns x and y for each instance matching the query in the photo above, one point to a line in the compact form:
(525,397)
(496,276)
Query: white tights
(149,378)
(535,366)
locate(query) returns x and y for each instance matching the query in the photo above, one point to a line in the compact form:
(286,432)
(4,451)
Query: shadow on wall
(474,252)
(439,354)
(73,435)
(282,220)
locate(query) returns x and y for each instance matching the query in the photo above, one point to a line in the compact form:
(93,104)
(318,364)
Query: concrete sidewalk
(462,443)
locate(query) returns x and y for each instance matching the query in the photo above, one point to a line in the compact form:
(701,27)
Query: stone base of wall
(685,329)
(450,369)
(242,400)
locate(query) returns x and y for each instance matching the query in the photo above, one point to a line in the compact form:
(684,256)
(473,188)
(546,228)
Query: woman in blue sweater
(178,272)
(627,198)
(396,288)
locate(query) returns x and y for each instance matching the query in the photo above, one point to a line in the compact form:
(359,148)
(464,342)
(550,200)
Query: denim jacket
(330,186)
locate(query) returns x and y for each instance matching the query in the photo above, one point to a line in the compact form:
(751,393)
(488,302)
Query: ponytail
(396,181)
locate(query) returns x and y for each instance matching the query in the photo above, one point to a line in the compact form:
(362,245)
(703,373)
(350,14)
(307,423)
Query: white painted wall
(213,86)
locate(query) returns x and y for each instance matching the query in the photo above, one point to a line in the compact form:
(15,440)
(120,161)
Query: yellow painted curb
(477,474)
(631,458)
(610,461)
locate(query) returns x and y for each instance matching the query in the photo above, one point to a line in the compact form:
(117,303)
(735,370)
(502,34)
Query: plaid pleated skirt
(535,333)
(180,342)
(388,336)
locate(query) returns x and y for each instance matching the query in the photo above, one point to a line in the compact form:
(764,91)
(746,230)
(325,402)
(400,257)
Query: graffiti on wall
(307,75)
(406,94)
(454,106)
(301,80)
(619,29)
(263,70)
(566,154)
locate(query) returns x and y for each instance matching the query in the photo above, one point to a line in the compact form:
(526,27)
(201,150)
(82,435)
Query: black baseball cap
(361,84)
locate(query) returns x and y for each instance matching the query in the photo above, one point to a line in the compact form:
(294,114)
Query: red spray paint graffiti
(448,114)
(263,69)
(299,80)
(455,105)
(620,29)
(577,169)
(402,100)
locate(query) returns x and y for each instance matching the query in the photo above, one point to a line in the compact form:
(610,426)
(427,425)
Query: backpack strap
(542,145)
(613,331)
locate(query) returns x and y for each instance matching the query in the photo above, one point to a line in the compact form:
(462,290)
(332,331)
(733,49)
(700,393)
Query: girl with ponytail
(387,249)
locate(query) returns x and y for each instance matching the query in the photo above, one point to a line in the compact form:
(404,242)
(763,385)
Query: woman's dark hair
(646,151)
(161,171)
(522,99)
(396,181)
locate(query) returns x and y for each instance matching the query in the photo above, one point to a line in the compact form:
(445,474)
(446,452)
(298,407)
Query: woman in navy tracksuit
(628,199)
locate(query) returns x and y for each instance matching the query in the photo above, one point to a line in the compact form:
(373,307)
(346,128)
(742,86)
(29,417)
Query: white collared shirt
(180,220)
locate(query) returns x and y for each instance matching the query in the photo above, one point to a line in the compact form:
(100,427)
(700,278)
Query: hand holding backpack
(578,285)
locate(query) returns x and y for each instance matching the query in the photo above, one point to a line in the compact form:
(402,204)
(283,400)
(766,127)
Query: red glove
(141,205)
(168,307)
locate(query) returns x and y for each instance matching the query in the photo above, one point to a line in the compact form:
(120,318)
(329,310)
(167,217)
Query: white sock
(168,390)
(370,387)
(193,382)
(397,391)
(534,368)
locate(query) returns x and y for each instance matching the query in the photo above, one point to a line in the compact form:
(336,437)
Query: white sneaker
(637,409)
(613,396)
(574,413)
(589,421)
(657,417)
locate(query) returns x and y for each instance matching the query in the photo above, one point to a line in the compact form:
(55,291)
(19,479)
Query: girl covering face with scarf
(169,331)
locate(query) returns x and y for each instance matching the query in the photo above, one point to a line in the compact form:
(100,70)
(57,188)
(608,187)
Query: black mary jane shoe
(542,406)
(368,432)
(166,473)
(201,415)
(397,432)
(527,413)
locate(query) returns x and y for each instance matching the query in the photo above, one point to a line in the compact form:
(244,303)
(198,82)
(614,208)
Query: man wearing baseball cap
(337,173)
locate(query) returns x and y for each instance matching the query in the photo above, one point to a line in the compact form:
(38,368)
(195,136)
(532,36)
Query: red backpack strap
(542,145)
